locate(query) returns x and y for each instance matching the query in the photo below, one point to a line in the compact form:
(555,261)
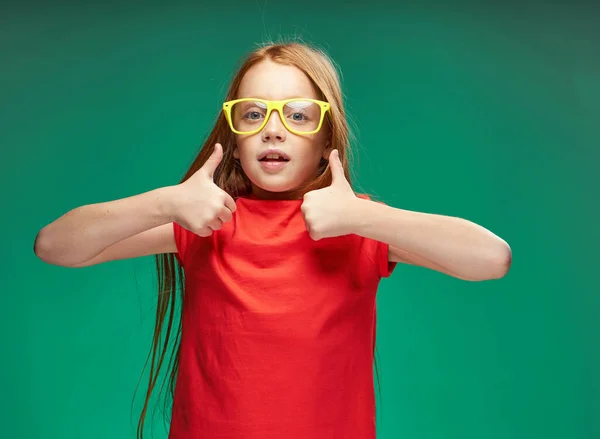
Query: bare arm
(135,226)
(140,225)
(451,245)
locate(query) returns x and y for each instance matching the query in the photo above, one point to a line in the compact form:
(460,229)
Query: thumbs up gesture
(200,206)
(329,211)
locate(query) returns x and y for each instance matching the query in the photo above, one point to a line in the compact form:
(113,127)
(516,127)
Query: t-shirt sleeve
(386,267)
(183,240)
(381,253)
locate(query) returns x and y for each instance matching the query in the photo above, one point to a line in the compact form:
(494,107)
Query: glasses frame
(275,105)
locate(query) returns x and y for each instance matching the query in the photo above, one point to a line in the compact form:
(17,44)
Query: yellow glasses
(299,115)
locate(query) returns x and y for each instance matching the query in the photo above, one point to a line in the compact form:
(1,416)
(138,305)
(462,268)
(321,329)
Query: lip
(266,152)
(273,166)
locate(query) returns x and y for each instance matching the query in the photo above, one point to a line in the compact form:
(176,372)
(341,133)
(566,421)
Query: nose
(274,129)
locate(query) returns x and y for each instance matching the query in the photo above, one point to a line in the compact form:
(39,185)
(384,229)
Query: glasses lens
(299,115)
(302,115)
(248,115)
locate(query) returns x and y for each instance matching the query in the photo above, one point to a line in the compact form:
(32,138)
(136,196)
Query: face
(270,180)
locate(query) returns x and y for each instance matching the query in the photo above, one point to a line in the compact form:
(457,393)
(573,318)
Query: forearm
(85,231)
(455,244)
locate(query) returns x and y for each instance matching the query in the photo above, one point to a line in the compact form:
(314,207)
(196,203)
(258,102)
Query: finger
(204,232)
(337,169)
(215,224)
(213,161)
(313,234)
(225,214)
(230,203)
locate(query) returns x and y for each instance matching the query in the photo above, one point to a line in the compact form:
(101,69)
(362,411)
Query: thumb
(337,169)
(213,161)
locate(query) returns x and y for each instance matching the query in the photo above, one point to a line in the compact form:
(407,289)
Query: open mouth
(277,159)
(274,157)
(273,160)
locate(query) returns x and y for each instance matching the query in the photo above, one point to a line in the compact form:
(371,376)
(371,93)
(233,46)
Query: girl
(277,259)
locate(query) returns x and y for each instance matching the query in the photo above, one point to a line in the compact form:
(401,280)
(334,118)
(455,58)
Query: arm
(447,244)
(451,245)
(135,226)
(139,225)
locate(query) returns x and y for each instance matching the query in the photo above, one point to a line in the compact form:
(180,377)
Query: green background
(485,111)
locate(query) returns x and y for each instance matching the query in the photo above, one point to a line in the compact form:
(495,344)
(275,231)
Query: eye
(298,117)
(253,115)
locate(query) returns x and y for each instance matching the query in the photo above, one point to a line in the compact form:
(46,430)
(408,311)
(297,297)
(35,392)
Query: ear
(327,150)
(236,153)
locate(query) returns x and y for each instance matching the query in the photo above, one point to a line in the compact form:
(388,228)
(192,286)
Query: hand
(328,211)
(200,205)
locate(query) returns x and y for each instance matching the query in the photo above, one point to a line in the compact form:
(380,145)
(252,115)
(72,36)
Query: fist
(200,205)
(328,212)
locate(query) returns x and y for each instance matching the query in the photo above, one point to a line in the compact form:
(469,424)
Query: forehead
(270,80)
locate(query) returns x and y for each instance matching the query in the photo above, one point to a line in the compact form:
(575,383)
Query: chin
(274,187)
(271,188)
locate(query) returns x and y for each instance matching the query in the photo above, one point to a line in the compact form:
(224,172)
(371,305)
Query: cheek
(242,148)
(311,159)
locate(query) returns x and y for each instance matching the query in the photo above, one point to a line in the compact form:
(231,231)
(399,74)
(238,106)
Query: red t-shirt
(278,330)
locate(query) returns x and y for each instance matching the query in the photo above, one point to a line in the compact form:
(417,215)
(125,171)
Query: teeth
(273,156)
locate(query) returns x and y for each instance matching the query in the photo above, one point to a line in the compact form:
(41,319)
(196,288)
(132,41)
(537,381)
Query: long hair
(229,176)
